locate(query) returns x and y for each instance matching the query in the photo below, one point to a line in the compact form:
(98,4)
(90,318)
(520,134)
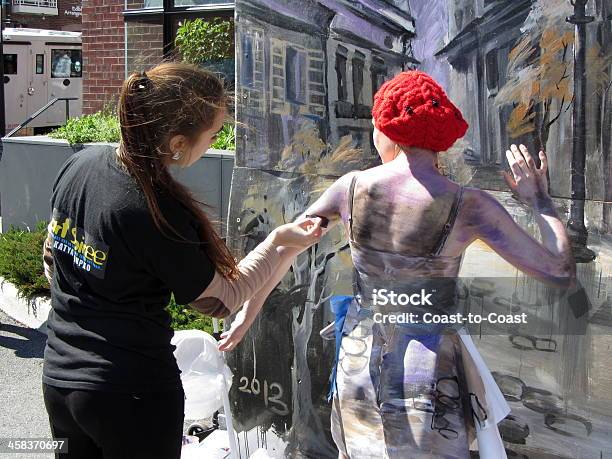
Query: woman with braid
(124,236)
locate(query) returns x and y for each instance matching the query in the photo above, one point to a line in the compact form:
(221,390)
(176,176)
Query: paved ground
(21,402)
(22,409)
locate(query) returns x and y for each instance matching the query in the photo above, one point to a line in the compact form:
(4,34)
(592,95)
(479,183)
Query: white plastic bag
(202,372)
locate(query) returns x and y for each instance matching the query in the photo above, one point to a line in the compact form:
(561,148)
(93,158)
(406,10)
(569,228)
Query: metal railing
(38,112)
(38,3)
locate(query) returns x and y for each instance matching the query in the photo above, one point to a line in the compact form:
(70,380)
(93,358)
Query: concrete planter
(29,165)
(32,312)
(27,169)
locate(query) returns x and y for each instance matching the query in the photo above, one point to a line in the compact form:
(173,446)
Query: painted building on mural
(307,72)
(495,51)
(481,36)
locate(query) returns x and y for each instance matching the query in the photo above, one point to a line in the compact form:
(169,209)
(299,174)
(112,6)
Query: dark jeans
(109,425)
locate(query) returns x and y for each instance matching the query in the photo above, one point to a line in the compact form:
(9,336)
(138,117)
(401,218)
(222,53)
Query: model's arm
(328,205)
(550,261)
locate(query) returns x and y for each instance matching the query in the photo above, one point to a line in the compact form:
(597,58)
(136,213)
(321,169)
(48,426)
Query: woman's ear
(178,143)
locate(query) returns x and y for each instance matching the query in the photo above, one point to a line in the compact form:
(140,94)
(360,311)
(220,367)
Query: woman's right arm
(223,297)
(550,261)
(329,206)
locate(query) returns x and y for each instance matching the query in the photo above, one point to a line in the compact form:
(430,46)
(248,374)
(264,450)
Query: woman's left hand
(230,338)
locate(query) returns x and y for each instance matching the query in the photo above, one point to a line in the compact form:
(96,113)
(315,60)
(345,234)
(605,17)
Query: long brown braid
(169,99)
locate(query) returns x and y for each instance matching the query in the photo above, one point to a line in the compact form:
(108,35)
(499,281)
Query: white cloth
(490,445)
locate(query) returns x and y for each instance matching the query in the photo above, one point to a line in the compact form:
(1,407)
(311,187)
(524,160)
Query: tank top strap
(351,192)
(448,226)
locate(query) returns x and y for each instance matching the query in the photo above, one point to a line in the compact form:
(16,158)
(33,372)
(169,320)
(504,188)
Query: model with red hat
(401,387)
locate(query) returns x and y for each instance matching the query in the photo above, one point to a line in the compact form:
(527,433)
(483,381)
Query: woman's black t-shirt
(114,272)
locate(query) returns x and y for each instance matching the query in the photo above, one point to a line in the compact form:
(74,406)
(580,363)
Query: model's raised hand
(529,181)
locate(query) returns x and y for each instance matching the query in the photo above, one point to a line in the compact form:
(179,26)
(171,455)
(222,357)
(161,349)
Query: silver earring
(177,155)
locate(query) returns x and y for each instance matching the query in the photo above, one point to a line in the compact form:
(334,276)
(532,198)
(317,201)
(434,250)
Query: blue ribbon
(339,306)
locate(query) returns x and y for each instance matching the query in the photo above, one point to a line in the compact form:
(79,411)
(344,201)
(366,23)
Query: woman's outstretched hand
(529,181)
(230,338)
(301,234)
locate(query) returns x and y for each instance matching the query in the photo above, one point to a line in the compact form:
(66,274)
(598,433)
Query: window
(140,4)
(295,72)
(66,63)
(10,64)
(358,64)
(341,60)
(40,64)
(200,2)
(151,31)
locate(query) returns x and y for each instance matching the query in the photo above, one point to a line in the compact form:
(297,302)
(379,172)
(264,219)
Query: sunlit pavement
(22,409)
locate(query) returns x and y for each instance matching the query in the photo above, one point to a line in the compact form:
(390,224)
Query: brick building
(119,38)
(103,52)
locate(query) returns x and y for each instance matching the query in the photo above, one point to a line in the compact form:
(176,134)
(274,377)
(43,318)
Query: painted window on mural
(295,71)
(378,74)
(358,68)
(341,61)
(492,72)
(248,61)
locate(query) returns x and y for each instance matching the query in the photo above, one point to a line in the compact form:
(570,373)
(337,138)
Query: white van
(38,66)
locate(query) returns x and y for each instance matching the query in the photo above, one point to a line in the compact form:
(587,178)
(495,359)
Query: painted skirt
(400,393)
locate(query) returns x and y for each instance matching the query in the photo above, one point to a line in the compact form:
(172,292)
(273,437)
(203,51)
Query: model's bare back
(396,212)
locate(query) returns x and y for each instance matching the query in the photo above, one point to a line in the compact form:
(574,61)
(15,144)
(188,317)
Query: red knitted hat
(412,109)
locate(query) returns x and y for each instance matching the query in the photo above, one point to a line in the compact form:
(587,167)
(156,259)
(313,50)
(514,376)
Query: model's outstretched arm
(550,261)
(328,205)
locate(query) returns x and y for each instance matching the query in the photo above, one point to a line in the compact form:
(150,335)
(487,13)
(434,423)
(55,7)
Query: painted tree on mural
(309,272)
(305,294)
(538,74)
(540,79)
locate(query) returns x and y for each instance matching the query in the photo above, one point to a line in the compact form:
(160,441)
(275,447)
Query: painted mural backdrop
(530,71)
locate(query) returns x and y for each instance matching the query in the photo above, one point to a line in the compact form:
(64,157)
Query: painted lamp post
(576,228)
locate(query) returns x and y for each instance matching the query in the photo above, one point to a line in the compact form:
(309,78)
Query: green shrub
(21,263)
(226,139)
(21,260)
(200,40)
(102,126)
(186,318)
